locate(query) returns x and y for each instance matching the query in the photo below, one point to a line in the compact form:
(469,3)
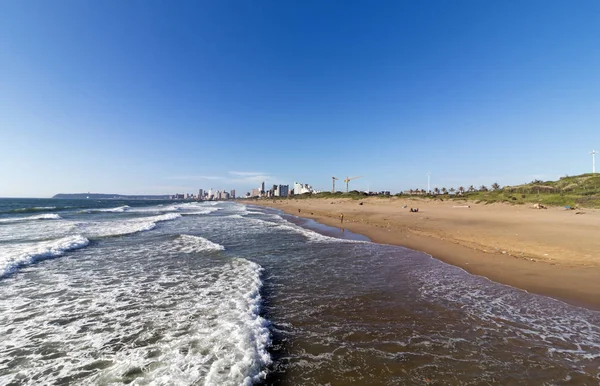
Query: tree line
(461,189)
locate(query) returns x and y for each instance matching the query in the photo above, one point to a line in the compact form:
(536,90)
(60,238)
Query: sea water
(159,293)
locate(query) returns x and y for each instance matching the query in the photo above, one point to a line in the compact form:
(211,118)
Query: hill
(575,191)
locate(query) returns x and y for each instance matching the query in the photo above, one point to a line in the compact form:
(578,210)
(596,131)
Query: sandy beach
(553,252)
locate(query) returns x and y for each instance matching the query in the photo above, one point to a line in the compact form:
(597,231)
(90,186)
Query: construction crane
(333,181)
(348,179)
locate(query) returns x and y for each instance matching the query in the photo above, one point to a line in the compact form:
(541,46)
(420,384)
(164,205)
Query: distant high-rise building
(232,194)
(262,187)
(200,194)
(255,193)
(302,188)
(282,190)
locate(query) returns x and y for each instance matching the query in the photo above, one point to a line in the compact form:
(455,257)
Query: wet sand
(553,252)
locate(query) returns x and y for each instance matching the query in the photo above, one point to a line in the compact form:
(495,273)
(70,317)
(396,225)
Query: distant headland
(104,196)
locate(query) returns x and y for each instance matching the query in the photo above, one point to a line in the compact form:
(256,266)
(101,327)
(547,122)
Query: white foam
(186,208)
(120,228)
(13,256)
(119,209)
(162,217)
(512,312)
(201,211)
(115,228)
(192,244)
(245,337)
(139,326)
(311,235)
(35,230)
(48,216)
(33,209)
(152,209)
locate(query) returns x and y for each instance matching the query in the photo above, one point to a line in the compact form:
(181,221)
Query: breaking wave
(125,227)
(31,210)
(191,244)
(119,209)
(50,216)
(13,256)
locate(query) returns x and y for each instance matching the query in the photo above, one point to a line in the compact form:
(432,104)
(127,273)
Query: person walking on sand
(341,218)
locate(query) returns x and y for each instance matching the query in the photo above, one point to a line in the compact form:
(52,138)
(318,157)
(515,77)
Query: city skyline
(154,99)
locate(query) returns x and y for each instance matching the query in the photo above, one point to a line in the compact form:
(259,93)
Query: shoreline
(574,282)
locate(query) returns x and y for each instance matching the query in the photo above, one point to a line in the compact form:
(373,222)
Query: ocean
(220,293)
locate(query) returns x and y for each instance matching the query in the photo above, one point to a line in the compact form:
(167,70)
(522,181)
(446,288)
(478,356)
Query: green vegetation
(574,191)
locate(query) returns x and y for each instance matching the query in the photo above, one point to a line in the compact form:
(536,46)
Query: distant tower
(262,188)
(593,153)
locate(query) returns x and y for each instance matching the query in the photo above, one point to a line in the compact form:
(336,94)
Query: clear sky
(160,97)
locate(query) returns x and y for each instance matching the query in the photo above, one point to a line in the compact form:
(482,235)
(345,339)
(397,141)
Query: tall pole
(593,153)
(428,176)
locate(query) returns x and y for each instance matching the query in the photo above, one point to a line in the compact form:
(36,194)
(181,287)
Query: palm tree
(411,191)
(461,189)
(495,186)
(444,191)
(471,188)
(452,190)
(483,188)
(423,191)
(436,190)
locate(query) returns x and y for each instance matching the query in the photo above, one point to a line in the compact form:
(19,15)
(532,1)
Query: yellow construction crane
(348,179)
(333,181)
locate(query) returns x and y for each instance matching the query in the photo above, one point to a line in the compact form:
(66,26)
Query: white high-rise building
(300,188)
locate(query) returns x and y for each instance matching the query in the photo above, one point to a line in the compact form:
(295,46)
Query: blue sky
(161,97)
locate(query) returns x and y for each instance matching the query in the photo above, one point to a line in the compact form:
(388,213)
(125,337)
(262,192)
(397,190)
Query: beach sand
(553,252)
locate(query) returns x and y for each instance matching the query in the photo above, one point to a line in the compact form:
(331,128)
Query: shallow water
(223,294)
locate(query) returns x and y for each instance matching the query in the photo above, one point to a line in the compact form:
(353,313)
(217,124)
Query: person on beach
(341,218)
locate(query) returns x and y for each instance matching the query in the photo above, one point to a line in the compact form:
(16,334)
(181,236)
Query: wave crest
(49,216)
(191,244)
(14,256)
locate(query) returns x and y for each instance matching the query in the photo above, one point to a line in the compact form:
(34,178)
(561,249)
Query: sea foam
(13,256)
(125,227)
(119,209)
(49,216)
(191,244)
